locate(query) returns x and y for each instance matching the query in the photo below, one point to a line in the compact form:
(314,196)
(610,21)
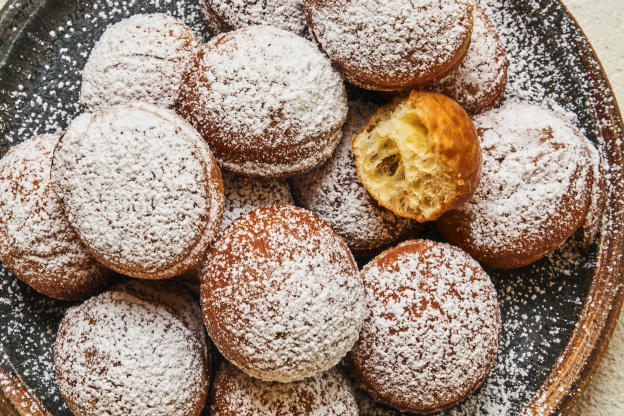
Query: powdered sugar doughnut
(141,189)
(380,46)
(119,355)
(227,15)
(281,295)
(36,242)
(432,330)
(334,193)
(234,393)
(267,101)
(535,188)
(175,297)
(480,81)
(140,59)
(243,196)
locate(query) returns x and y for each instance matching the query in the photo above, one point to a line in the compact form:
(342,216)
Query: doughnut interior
(402,166)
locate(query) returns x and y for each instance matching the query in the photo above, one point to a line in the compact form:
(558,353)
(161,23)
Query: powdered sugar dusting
(176,298)
(334,193)
(325,394)
(262,92)
(281,296)
(432,328)
(36,241)
(390,39)
(532,162)
(243,196)
(527,334)
(138,186)
(226,15)
(480,80)
(118,355)
(140,59)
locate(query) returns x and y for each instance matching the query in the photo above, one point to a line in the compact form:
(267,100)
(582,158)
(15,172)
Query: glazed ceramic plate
(557,314)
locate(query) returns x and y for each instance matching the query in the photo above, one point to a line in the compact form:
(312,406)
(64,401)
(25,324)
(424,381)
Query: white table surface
(603,22)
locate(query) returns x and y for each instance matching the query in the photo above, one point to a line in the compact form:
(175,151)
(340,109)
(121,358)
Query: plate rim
(601,308)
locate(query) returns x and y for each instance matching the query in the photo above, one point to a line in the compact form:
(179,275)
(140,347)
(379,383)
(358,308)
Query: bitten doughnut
(234,393)
(243,196)
(334,193)
(141,189)
(419,156)
(281,295)
(36,242)
(535,190)
(140,59)
(480,81)
(380,46)
(118,354)
(267,101)
(432,330)
(227,15)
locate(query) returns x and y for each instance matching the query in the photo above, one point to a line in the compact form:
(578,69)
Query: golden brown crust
(404,357)
(334,193)
(385,59)
(449,136)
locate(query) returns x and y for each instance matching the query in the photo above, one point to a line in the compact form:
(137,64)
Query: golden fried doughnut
(141,189)
(480,81)
(118,354)
(227,15)
(334,193)
(37,243)
(395,44)
(174,296)
(535,190)
(141,59)
(234,393)
(281,295)
(244,195)
(432,330)
(267,101)
(419,156)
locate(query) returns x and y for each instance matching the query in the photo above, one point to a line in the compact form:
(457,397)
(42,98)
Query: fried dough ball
(234,393)
(37,243)
(432,330)
(141,188)
(334,193)
(120,354)
(419,156)
(281,295)
(143,58)
(480,81)
(267,101)
(536,188)
(392,45)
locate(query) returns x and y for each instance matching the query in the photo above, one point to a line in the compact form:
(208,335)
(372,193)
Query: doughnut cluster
(241,170)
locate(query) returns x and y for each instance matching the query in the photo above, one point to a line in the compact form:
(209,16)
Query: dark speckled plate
(558,314)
